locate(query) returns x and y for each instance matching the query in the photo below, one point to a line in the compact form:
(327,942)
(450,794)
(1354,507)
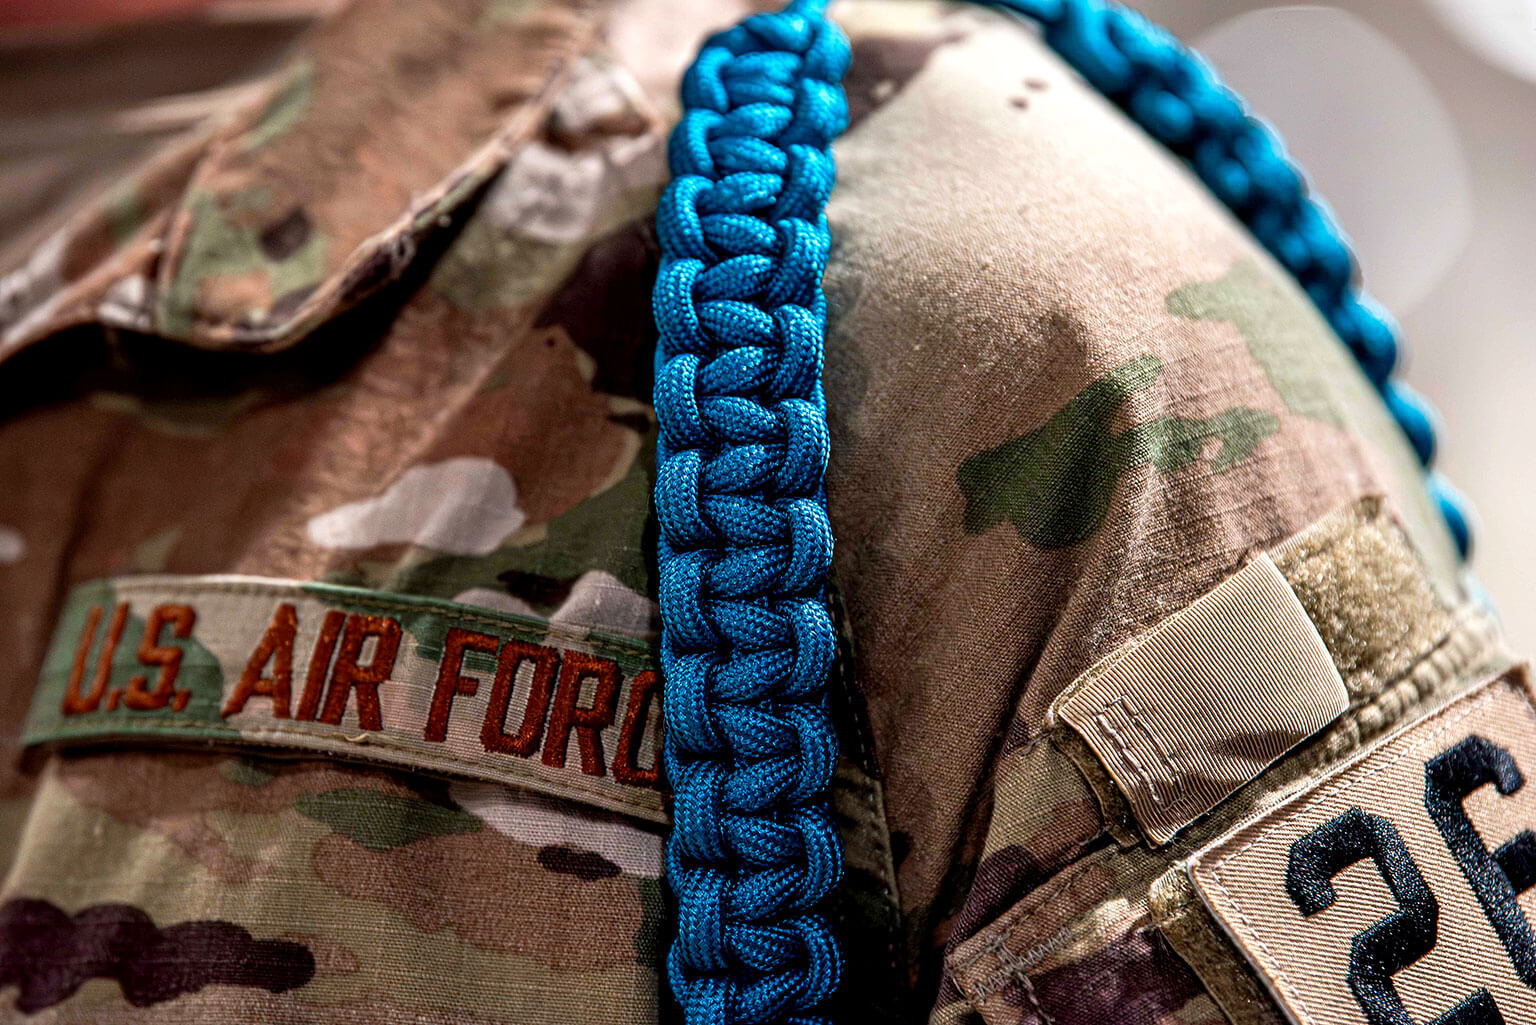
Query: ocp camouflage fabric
(379,320)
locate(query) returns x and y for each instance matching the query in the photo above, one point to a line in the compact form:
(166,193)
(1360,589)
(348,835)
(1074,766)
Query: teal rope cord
(745,544)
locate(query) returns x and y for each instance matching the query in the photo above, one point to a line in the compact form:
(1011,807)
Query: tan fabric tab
(1396,887)
(1199,706)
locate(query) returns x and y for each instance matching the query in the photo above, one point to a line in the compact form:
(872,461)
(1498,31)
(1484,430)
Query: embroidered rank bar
(1398,888)
(402,680)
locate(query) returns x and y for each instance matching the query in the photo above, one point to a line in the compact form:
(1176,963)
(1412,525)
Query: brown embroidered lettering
(546,662)
(76,703)
(151,653)
(319,662)
(637,715)
(275,647)
(588,722)
(450,681)
(347,675)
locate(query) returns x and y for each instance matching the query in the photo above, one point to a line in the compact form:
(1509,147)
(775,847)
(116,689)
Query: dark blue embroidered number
(1497,877)
(1394,942)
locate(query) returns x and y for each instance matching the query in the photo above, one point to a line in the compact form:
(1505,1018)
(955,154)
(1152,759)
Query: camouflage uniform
(344,391)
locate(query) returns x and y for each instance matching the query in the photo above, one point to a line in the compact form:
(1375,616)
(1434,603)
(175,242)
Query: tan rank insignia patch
(1397,890)
(409,681)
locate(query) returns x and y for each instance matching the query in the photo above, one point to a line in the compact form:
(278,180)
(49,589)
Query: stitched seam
(1017,967)
(1017,970)
(1143,773)
(617,791)
(1060,890)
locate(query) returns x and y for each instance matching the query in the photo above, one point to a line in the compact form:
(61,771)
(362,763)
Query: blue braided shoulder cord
(745,543)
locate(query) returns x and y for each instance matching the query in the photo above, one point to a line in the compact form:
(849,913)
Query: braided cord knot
(745,544)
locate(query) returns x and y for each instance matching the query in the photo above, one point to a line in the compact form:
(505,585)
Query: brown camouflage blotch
(881,67)
(461,883)
(172,793)
(331,958)
(604,308)
(1138,980)
(48,954)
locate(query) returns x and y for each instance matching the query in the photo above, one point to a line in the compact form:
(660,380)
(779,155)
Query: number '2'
(1396,941)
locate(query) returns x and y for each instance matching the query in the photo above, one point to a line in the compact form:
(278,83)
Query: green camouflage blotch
(154,552)
(1055,483)
(500,379)
(501,12)
(382,822)
(225,240)
(430,629)
(1172,443)
(1286,337)
(286,108)
(124,208)
(182,416)
(200,674)
(489,267)
(604,532)
(249,774)
(651,937)
(14,811)
(1316,378)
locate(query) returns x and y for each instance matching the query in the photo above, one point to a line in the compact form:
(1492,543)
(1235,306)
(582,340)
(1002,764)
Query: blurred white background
(1417,122)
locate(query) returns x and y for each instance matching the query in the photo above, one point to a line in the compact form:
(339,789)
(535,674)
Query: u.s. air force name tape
(415,682)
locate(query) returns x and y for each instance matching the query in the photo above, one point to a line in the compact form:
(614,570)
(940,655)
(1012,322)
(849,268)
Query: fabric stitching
(1143,772)
(1016,967)
(291,736)
(1003,937)
(286,737)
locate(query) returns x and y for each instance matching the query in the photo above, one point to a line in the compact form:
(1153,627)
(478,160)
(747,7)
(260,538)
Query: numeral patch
(1396,941)
(1499,877)
(1389,893)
